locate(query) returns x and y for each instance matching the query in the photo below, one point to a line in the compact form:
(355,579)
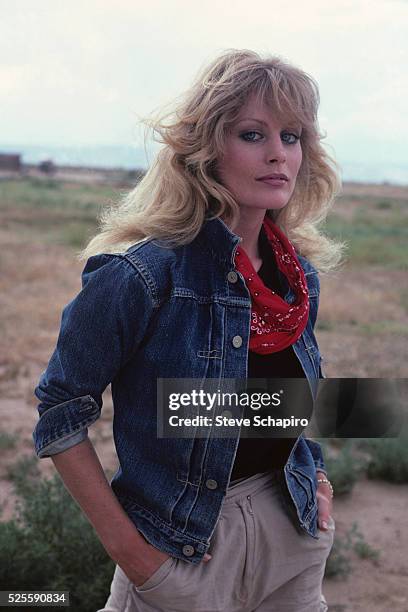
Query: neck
(248,228)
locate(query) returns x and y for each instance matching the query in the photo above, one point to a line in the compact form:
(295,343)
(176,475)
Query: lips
(272,177)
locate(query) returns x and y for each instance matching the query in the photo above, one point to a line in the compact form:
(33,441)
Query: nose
(276,151)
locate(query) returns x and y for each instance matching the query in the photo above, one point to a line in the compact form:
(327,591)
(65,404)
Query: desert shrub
(366,551)
(23,471)
(339,560)
(389,459)
(384,204)
(7,440)
(50,545)
(345,468)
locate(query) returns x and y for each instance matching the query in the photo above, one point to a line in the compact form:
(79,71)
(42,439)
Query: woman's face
(257,146)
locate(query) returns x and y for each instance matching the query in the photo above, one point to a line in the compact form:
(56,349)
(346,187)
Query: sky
(85,72)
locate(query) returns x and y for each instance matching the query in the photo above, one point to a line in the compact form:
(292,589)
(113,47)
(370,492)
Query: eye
(247,136)
(289,137)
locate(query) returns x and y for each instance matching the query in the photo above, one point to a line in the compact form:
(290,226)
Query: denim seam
(87,400)
(213,354)
(132,505)
(145,276)
(47,446)
(64,433)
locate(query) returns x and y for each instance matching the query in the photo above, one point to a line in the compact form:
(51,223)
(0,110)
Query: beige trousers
(260,563)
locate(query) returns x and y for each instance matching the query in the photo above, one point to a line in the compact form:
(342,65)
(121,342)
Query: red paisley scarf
(275,324)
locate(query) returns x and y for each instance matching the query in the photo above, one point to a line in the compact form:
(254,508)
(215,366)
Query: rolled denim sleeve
(317,454)
(100,330)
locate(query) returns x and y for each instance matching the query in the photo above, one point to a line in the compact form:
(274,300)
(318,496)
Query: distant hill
(106,156)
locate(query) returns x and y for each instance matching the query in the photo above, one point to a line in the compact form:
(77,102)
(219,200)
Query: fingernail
(324,525)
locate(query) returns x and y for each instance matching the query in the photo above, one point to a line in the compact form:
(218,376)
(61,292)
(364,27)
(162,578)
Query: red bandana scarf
(275,324)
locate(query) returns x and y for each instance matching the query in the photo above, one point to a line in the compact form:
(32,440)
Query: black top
(261,454)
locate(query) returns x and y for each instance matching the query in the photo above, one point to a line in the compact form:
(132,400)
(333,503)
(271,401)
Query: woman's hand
(139,568)
(324,502)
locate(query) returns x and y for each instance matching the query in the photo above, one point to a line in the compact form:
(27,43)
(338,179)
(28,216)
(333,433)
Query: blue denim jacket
(155,312)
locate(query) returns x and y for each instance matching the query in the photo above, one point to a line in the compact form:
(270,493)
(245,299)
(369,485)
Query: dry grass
(363,317)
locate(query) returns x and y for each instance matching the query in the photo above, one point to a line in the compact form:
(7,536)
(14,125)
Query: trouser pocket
(159,576)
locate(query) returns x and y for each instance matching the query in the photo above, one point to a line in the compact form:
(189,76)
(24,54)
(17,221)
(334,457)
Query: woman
(204,272)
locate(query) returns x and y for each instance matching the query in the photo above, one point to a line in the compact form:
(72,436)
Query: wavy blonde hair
(180,189)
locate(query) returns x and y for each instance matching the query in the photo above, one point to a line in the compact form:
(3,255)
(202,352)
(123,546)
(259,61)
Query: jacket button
(237,341)
(211,484)
(188,550)
(232,276)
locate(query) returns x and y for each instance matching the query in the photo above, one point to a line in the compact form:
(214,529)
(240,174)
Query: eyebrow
(253,119)
(293,125)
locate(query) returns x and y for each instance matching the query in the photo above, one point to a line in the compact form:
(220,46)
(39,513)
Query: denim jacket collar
(221,242)
(218,239)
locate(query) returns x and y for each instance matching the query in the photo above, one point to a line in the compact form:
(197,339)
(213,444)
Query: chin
(276,205)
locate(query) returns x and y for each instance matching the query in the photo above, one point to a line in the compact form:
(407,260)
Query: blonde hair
(180,189)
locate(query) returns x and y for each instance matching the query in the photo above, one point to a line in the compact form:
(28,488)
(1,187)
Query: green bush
(389,459)
(338,562)
(384,204)
(22,472)
(345,468)
(7,440)
(50,545)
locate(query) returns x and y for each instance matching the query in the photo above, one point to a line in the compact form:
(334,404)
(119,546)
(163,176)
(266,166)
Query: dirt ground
(37,280)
